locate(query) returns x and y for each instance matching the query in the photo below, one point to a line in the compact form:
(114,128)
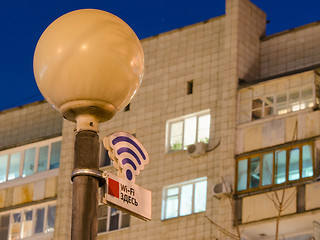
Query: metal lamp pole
(88,64)
(85,186)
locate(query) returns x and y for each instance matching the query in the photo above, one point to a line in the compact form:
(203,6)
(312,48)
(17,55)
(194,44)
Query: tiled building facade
(251,99)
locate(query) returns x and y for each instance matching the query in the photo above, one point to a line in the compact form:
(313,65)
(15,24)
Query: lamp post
(88,64)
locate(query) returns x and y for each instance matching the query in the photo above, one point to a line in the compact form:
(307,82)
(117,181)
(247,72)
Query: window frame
(273,183)
(165,197)
(22,151)
(45,234)
(263,107)
(108,217)
(183,119)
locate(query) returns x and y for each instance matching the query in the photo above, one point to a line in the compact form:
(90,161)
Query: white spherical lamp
(88,63)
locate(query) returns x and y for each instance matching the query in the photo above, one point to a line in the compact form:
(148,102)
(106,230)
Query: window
(275,167)
(187,130)
(190,87)
(262,107)
(29,159)
(184,198)
(110,219)
(27,222)
(127,108)
(279,96)
(104,157)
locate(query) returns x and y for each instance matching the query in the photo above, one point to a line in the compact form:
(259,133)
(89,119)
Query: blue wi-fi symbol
(128,153)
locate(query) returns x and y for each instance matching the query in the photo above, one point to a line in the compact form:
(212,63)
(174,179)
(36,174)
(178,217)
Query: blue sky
(23,21)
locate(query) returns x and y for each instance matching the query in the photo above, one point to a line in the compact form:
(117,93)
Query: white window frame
(22,149)
(182,119)
(179,185)
(108,219)
(35,236)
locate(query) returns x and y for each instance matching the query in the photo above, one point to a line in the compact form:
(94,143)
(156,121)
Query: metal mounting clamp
(89,172)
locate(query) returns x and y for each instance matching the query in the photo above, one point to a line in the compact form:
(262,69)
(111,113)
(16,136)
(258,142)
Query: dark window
(190,87)
(127,108)
(104,156)
(110,219)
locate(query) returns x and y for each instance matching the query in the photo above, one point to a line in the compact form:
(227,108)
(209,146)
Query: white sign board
(127,196)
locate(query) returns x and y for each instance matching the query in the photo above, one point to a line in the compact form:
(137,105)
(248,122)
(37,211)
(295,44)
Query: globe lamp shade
(88,62)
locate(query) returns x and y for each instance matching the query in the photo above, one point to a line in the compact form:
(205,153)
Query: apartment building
(224,112)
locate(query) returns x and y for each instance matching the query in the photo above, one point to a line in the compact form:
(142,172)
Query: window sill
(29,179)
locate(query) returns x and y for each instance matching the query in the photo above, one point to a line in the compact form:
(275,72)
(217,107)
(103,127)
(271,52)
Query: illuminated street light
(88,64)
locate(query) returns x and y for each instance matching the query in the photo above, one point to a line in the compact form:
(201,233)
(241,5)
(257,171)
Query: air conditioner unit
(221,189)
(197,149)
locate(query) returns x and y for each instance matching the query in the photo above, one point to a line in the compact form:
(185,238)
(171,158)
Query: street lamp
(88,64)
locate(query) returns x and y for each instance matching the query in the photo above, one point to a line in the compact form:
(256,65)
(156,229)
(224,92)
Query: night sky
(23,21)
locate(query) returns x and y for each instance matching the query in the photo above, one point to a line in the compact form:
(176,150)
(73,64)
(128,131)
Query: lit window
(55,155)
(279,96)
(307,162)
(294,155)
(267,166)
(110,219)
(28,165)
(29,159)
(281,103)
(3,167)
(242,174)
(279,166)
(14,165)
(184,198)
(43,158)
(27,222)
(187,130)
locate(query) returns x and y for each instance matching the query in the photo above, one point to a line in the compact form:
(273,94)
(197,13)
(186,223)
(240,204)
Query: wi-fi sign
(128,155)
